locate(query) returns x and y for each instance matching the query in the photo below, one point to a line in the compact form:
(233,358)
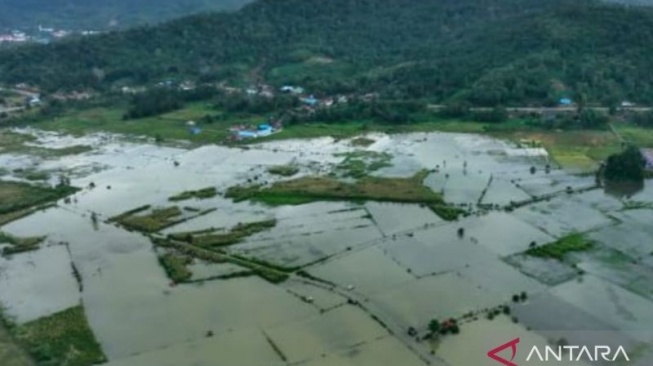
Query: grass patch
(13,141)
(176,266)
(36,176)
(64,338)
(234,236)
(70,150)
(315,130)
(271,276)
(17,215)
(577,150)
(19,143)
(448,213)
(19,245)
(187,236)
(558,249)
(642,137)
(362,142)
(359,164)
(18,199)
(200,194)
(637,205)
(303,273)
(269,272)
(283,170)
(155,220)
(168,126)
(312,189)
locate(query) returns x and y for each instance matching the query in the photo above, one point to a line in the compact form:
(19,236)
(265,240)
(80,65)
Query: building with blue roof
(565,101)
(247,134)
(310,101)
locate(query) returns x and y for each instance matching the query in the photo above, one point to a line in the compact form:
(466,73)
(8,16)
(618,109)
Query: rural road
(547,109)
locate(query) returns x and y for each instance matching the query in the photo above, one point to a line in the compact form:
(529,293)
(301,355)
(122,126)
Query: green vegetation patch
(558,249)
(283,170)
(359,164)
(447,212)
(625,166)
(312,189)
(18,199)
(165,127)
(269,272)
(19,245)
(234,236)
(577,149)
(64,338)
(176,266)
(36,175)
(187,236)
(201,194)
(362,142)
(157,219)
(19,143)
(637,205)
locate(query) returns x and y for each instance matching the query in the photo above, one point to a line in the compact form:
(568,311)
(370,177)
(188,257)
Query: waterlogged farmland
(414,249)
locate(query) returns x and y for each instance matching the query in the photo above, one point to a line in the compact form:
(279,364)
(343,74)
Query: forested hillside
(487,52)
(102,14)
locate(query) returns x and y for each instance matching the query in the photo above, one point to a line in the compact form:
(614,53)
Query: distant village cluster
(39,35)
(243,131)
(309,103)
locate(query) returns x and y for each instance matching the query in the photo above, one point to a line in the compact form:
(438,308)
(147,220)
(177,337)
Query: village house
(310,101)
(244,132)
(288,89)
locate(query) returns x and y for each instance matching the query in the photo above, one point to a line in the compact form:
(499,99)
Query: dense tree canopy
(485,52)
(628,165)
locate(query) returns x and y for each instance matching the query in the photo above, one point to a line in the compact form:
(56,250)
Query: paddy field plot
(541,183)
(392,218)
(562,216)
(555,319)
(620,308)
(205,271)
(437,250)
(335,330)
(309,233)
(501,279)
(245,347)
(548,271)
(368,270)
(38,283)
(476,338)
(502,192)
(319,297)
(503,233)
(437,297)
(621,269)
(458,186)
(162,316)
(384,351)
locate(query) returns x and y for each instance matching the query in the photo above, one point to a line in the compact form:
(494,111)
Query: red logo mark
(493,354)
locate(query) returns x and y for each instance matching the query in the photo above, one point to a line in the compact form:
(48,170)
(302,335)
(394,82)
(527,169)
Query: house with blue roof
(565,102)
(311,101)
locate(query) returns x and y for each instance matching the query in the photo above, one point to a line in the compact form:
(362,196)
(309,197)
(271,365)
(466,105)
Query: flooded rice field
(211,280)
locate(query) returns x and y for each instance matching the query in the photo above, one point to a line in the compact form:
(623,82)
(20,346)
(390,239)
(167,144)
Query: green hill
(487,52)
